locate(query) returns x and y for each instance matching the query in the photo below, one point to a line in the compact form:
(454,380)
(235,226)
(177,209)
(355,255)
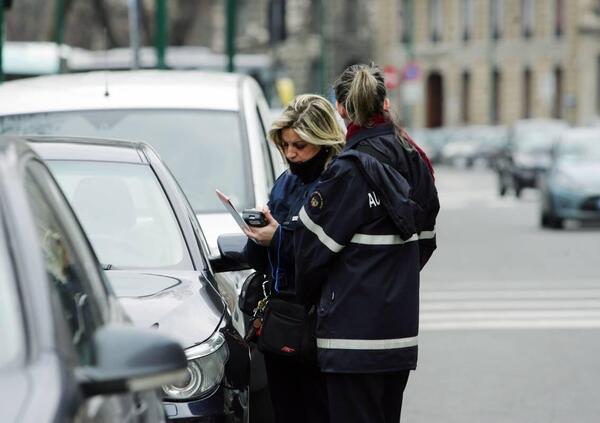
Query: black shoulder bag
(288,329)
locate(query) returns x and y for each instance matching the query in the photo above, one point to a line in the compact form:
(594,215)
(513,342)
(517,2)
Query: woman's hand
(263,235)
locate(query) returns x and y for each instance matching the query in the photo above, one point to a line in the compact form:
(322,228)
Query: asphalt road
(510,313)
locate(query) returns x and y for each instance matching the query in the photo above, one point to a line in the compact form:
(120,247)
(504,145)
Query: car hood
(181,304)
(14,386)
(215,224)
(586,174)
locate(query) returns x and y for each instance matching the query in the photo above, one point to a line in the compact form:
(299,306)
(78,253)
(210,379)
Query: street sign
(391,76)
(411,72)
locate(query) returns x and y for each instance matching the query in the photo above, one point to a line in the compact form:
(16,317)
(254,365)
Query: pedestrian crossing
(573,304)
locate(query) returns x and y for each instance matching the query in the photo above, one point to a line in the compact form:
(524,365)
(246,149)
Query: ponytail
(361,102)
(361,90)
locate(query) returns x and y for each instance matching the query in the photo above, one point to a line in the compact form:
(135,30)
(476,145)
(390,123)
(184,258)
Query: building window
(467,13)
(465,97)
(527,13)
(496,18)
(277,24)
(495,98)
(406,21)
(559,18)
(558,93)
(435,20)
(527,93)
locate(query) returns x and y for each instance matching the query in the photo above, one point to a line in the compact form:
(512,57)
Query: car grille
(591,203)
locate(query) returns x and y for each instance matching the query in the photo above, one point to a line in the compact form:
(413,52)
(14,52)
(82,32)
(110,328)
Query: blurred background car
(65,336)
(528,154)
(571,190)
(473,146)
(154,253)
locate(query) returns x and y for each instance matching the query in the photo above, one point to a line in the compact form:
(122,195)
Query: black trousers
(365,398)
(298,391)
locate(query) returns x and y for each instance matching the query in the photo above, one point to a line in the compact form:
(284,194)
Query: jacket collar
(363,133)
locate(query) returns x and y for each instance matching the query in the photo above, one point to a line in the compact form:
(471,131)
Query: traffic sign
(391,76)
(411,72)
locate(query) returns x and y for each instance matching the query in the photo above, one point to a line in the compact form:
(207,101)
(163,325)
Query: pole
(134,32)
(1,41)
(230,31)
(59,22)
(323,51)
(161,33)
(410,53)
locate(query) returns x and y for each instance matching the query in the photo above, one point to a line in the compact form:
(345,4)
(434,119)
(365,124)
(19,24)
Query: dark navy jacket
(359,246)
(287,196)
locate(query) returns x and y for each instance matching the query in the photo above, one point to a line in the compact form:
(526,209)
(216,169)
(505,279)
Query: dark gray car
(154,253)
(69,352)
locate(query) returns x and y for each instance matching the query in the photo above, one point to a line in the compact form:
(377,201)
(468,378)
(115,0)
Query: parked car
(69,351)
(528,154)
(209,128)
(155,255)
(571,189)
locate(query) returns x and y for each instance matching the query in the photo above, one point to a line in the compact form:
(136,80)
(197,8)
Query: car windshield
(203,148)
(11,326)
(124,212)
(580,148)
(534,141)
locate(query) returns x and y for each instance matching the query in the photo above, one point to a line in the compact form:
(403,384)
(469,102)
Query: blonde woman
(308,136)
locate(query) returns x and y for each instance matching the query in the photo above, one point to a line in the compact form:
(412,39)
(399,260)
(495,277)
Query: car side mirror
(232,257)
(130,359)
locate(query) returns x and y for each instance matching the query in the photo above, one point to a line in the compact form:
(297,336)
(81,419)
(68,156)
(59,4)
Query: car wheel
(518,190)
(549,220)
(501,186)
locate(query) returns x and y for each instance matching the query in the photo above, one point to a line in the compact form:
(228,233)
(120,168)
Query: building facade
(496,61)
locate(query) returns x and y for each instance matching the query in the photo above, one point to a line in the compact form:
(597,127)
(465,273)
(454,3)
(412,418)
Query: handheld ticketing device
(254,218)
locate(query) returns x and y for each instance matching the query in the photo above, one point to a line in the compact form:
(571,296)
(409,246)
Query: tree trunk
(105,22)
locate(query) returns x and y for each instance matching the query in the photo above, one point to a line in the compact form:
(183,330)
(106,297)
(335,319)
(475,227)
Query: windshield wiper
(107,266)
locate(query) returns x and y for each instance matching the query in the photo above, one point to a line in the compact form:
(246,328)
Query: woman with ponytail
(367,230)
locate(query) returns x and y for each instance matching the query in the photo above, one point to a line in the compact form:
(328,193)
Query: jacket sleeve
(425,195)
(329,220)
(257,256)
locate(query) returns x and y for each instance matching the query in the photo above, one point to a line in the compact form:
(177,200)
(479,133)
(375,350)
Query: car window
(205,149)
(70,281)
(266,152)
(125,213)
(11,323)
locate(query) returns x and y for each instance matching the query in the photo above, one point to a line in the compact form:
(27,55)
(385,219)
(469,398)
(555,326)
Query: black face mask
(310,170)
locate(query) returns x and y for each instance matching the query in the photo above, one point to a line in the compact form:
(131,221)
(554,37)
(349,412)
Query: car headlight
(206,366)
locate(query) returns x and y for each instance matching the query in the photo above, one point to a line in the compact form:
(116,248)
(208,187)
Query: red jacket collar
(353,128)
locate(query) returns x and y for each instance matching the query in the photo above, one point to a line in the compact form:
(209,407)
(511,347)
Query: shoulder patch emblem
(316,200)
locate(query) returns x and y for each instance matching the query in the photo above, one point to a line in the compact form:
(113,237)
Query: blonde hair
(361,90)
(312,117)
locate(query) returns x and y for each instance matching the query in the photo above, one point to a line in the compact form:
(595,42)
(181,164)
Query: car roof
(144,89)
(88,149)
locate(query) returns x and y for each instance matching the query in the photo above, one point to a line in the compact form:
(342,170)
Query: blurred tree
(103,15)
(184,18)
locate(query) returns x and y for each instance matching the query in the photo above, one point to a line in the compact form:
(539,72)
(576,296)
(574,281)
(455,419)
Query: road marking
(511,305)
(511,324)
(499,294)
